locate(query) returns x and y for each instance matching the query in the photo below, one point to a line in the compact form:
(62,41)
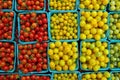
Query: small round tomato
(45,45)
(2,54)
(43,15)
(11,14)
(44,20)
(37,45)
(41,4)
(44,66)
(44,54)
(20,57)
(28,3)
(38,55)
(45,60)
(25,70)
(24,61)
(45,38)
(6,68)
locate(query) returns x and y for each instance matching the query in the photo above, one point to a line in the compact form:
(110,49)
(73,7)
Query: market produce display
(94,55)
(63,56)
(59,39)
(6,25)
(115,75)
(93,25)
(93,4)
(7,56)
(33,57)
(114,5)
(114,55)
(96,76)
(64,26)
(114,26)
(33,27)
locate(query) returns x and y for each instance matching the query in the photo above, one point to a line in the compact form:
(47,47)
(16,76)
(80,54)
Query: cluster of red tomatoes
(35,77)
(30,4)
(6,25)
(6,56)
(9,77)
(33,57)
(33,27)
(6,4)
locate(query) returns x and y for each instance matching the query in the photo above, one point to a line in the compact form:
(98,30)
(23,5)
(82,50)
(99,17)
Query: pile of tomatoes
(33,57)
(6,4)
(6,25)
(9,77)
(6,56)
(33,27)
(30,4)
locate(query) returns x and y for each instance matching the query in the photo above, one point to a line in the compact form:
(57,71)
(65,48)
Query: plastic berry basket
(10,71)
(113,42)
(110,9)
(48,75)
(55,71)
(101,69)
(112,72)
(89,9)
(111,13)
(75,8)
(13,4)
(91,73)
(72,72)
(106,33)
(19,27)
(49,28)
(18,62)
(13,26)
(29,10)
